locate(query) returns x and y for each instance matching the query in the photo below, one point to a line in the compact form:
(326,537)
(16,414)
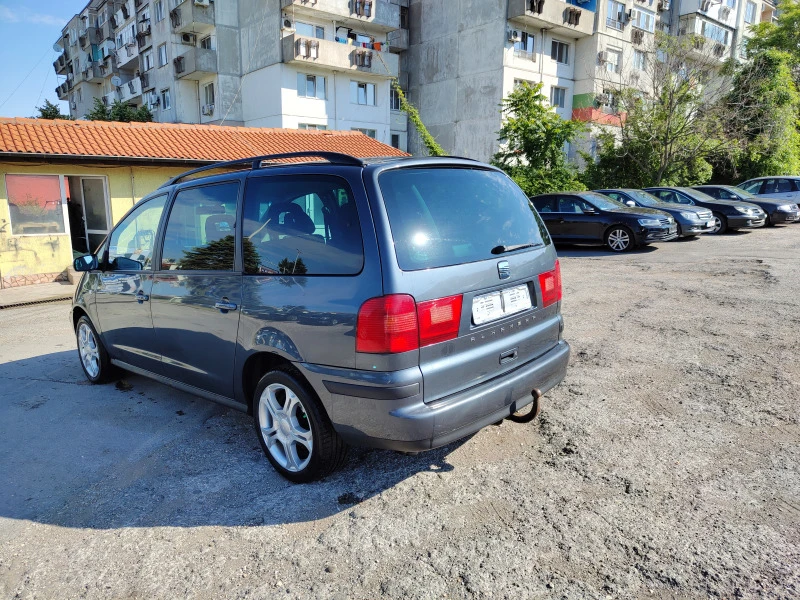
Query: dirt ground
(665,466)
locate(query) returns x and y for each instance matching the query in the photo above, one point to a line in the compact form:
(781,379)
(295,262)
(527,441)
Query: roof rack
(256,162)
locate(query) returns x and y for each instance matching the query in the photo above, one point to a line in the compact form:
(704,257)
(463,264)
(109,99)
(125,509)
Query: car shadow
(578,251)
(140,454)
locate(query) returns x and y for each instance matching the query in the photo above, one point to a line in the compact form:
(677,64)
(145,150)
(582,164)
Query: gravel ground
(666,465)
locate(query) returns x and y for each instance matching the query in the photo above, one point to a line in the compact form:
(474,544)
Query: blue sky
(28,31)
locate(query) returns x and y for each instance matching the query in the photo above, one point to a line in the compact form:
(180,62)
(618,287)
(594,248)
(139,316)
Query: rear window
(449,216)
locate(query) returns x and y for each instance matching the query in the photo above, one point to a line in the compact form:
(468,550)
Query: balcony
(130,90)
(62,91)
(147,81)
(189,17)
(398,40)
(127,54)
(60,64)
(298,50)
(573,19)
(366,15)
(195,64)
(93,73)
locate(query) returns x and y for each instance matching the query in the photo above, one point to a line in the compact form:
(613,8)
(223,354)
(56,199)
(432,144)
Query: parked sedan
(783,188)
(778,210)
(727,214)
(592,218)
(691,220)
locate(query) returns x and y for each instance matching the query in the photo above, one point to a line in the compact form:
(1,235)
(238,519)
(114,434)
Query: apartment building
(328,64)
(298,64)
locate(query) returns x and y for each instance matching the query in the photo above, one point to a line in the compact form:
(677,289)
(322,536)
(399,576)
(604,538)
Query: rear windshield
(447,216)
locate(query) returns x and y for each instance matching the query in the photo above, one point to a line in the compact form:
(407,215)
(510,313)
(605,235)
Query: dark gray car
(778,211)
(728,214)
(691,220)
(398,304)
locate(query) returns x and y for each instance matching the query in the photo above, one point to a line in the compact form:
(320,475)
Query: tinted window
(615,196)
(201,229)
(643,198)
(448,216)
(546,204)
(304,225)
(777,186)
(752,187)
(571,204)
(131,244)
(600,201)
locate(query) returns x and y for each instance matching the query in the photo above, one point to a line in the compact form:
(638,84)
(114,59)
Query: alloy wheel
(717,225)
(285,427)
(619,240)
(89,350)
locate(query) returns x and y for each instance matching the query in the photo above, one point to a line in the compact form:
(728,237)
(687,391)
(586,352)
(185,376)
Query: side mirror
(631,203)
(588,210)
(87,262)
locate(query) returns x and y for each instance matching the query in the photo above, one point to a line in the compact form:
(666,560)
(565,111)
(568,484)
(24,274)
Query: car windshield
(602,202)
(643,197)
(742,194)
(697,195)
(448,215)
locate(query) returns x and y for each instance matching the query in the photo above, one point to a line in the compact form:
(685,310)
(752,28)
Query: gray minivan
(393,303)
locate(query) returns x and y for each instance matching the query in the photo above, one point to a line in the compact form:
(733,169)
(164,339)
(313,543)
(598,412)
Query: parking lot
(666,465)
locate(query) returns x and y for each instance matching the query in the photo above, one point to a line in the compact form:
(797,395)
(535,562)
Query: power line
(25,79)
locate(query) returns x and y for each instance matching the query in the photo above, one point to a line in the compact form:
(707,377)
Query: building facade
(329,64)
(300,64)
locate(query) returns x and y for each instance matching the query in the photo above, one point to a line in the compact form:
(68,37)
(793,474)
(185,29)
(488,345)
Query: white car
(783,187)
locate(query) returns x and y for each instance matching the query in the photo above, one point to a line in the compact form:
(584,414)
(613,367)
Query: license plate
(490,307)
(710,223)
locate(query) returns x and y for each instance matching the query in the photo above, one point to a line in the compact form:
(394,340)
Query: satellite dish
(116,81)
(57,48)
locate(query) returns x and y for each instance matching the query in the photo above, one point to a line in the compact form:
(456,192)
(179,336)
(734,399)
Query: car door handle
(142,297)
(225,306)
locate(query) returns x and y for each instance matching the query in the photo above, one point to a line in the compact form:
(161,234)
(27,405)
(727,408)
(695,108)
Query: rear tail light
(396,323)
(550,283)
(439,320)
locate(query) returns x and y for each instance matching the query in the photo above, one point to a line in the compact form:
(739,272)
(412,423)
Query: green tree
(51,111)
(532,142)
(430,143)
(119,111)
(781,35)
(766,103)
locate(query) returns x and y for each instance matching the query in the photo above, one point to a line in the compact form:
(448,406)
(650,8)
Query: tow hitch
(529,416)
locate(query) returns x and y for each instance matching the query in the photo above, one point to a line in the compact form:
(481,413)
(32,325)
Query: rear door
(456,242)
(197,289)
(548,210)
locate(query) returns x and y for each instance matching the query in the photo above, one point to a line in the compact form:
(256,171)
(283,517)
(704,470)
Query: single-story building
(64,184)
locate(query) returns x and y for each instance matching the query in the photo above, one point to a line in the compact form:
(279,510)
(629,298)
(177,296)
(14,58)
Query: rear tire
(295,433)
(94,359)
(620,239)
(720,224)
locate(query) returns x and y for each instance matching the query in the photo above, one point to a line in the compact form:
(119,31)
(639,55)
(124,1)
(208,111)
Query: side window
(681,199)
(547,204)
(569,204)
(200,233)
(784,185)
(753,187)
(301,226)
(616,196)
(130,247)
(721,194)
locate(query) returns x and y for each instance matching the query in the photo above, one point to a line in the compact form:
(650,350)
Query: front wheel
(620,239)
(94,359)
(295,433)
(720,224)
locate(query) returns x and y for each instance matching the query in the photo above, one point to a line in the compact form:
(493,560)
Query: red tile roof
(163,141)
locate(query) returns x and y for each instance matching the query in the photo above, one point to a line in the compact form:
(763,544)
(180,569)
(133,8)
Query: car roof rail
(256,162)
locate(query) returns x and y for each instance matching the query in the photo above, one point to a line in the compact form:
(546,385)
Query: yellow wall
(24,255)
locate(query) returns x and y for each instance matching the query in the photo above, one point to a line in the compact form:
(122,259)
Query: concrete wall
(51,254)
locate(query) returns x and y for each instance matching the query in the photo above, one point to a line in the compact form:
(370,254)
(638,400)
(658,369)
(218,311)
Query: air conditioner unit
(188,38)
(724,12)
(202,2)
(664,5)
(208,110)
(705,5)
(514,36)
(602,57)
(73,105)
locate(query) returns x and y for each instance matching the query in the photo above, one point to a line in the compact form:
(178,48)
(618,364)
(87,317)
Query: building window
(394,99)
(166,100)
(714,32)
(309,31)
(608,103)
(206,44)
(368,132)
(362,93)
(208,93)
(639,60)
(158,9)
(730,3)
(558,97)
(310,86)
(35,204)
(396,140)
(404,17)
(614,61)
(525,47)
(162,55)
(312,126)
(518,83)
(147,60)
(559,52)
(616,15)
(750,12)
(643,20)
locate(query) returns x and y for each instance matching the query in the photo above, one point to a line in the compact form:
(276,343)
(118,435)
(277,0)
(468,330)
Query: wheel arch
(260,363)
(77,313)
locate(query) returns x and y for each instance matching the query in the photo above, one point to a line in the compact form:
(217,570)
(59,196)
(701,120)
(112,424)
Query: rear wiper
(504,249)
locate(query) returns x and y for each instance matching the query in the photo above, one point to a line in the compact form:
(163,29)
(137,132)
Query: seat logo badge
(503,269)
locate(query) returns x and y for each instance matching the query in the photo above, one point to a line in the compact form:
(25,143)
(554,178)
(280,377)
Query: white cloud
(23,15)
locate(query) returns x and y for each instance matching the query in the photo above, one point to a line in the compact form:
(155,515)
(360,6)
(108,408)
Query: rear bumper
(395,417)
